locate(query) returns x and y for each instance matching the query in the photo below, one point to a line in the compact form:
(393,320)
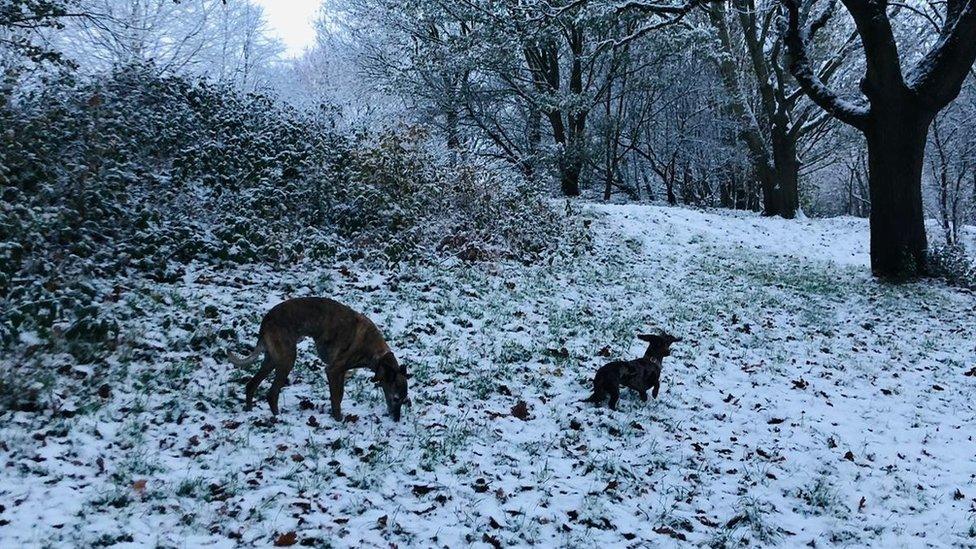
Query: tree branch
(938,77)
(812,85)
(878,41)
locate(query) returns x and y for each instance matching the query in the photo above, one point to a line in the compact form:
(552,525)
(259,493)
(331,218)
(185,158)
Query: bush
(952,264)
(134,174)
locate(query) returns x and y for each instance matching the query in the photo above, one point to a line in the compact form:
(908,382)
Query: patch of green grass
(438,446)
(821,498)
(754,514)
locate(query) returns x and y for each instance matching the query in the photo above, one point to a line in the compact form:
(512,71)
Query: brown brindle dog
(344,339)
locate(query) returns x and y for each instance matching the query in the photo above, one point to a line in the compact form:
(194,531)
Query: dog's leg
(337,381)
(283,365)
(642,395)
(252,385)
(614,396)
(657,383)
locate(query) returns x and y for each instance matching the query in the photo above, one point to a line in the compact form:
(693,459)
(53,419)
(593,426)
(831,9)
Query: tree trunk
(570,167)
(896,151)
(451,128)
(784,197)
(669,186)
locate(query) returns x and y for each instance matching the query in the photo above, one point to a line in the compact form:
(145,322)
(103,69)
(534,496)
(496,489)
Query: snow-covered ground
(807,404)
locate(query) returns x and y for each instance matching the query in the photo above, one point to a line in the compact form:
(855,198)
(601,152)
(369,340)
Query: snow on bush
(136,174)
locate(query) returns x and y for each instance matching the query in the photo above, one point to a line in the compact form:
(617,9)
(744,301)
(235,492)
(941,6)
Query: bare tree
(952,164)
(226,41)
(775,124)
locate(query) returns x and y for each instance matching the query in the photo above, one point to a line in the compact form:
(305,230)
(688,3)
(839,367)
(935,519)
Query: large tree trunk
(896,151)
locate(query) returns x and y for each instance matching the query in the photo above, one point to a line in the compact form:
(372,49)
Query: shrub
(135,174)
(954,265)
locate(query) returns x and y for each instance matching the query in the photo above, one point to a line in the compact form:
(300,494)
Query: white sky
(291,20)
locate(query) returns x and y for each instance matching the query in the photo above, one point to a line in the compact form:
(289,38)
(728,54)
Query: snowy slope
(807,404)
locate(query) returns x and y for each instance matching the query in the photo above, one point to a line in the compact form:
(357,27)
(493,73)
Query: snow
(808,403)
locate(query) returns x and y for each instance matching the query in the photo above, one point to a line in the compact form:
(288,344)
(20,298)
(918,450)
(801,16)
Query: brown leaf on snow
(561,352)
(286,540)
(671,532)
(491,540)
(139,486)
(521,410)
(849,456)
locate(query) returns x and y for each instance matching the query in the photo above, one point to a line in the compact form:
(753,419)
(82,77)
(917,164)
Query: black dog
(639,374)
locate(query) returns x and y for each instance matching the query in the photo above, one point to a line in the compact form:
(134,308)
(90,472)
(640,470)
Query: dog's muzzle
(394,407)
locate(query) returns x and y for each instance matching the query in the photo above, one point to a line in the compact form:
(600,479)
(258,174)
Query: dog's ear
(672,339)
(650,338)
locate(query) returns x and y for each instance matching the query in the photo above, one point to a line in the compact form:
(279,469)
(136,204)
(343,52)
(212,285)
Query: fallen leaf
(521,410)
(286,540)
(671,532)
(491,540)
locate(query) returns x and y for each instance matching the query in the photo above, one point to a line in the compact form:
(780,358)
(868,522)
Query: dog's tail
(249,359)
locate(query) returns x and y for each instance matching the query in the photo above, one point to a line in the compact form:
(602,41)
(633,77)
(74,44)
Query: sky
(291,20)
